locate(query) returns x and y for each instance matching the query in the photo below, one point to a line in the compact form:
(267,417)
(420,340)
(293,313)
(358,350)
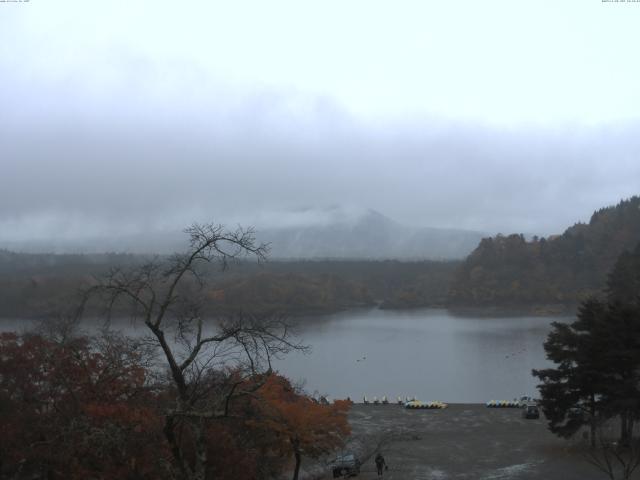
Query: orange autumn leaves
(71,410)
(87,409)
(302,426)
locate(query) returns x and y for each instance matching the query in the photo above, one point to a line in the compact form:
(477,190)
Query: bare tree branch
(210,363)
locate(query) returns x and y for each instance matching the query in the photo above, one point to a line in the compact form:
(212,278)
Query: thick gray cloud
(128,175)
(108,128)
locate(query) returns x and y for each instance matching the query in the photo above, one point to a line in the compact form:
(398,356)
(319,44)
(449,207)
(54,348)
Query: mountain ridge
(371,235)
(333,232)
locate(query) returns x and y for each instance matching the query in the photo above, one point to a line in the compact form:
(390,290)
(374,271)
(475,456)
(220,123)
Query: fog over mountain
(335,232)
(117,124)
(368,234)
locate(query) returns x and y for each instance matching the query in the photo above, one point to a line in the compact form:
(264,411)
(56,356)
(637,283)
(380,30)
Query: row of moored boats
(414,403)
(407,402)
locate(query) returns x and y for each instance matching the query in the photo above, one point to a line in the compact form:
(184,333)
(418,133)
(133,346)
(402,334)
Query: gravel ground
(464,441)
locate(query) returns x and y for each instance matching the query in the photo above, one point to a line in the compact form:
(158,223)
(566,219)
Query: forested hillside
(503,271)
(559,270)
(35,285)
(325,286)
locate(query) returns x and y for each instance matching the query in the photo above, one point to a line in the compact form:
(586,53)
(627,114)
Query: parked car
(578,414)
(524,401)
(531,411)
(347,465)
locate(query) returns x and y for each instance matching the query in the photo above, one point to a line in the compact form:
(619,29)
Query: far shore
(492,311)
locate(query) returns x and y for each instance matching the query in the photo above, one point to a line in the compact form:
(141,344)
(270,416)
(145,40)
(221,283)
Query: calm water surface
(430,354)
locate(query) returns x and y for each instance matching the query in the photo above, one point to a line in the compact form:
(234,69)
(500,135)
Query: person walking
(380,464)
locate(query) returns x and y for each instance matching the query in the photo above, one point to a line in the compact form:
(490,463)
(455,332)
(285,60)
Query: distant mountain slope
(564,269)
(367,235)
(316,233)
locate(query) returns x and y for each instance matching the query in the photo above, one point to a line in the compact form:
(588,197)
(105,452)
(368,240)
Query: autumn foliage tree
(195,398)
(212,362)
(79,409)
(92,407)
(302,425)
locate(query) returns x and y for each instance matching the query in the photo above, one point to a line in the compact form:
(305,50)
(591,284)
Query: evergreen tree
(571,393)
(623,285)
(597,357)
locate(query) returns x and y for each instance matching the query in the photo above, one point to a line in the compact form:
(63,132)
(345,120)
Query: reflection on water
(429,353)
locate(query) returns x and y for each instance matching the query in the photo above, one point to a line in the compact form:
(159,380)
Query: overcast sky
(498,116)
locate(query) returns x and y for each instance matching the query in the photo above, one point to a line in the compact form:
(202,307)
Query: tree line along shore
(504,273)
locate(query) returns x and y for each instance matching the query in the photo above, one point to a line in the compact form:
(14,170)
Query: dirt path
(463,442)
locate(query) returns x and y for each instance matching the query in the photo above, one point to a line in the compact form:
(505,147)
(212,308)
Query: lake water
(427,353)
(430,354)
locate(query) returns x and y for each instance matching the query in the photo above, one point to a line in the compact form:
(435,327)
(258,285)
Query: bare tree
(210,361)
(614,459)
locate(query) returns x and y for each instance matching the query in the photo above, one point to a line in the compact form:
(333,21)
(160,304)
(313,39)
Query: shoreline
(456,311)
(466,441)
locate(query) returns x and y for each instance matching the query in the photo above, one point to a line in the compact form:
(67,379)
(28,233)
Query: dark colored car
(346,465)
(531,411)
